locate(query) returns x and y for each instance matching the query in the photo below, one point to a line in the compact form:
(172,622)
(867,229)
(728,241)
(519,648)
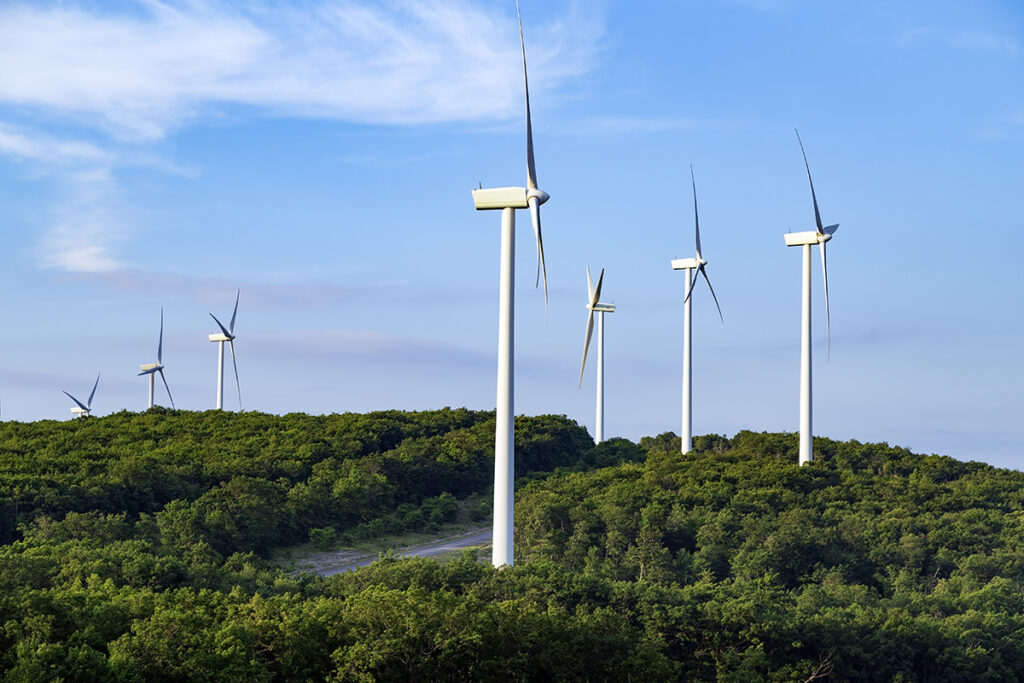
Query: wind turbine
(82,409)
(227,334)
(152,368)
(689,265)
(508,199)
(820,236)
(594,305)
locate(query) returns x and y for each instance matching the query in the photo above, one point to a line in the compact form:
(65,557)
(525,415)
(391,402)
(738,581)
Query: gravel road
(343,561)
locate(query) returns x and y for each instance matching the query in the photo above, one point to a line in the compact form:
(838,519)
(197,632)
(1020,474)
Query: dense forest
(135,545)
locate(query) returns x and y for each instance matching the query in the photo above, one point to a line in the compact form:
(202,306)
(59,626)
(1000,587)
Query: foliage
(872,563)
(133,553)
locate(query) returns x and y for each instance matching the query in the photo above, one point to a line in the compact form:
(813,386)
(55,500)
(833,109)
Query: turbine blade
(705,273)
(231,327)
(160,345)
(590,286)
(93,393)
(166,386)
(531,170)
(696,219)
(586,344)
(597,290)
(80,404)
(824,275)
(231,345)
(814,198)
(222,328)
(689,291)
(542,269)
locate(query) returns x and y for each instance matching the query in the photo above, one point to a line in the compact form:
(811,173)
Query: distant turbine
(594,305)
(690,264)
(820,236)
(508,199)
(83,409)
(152,368)
(227,335)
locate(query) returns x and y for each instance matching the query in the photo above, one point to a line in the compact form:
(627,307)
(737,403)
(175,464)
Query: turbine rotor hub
(541,195)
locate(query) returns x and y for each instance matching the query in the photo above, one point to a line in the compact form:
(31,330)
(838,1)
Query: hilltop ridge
(134,550)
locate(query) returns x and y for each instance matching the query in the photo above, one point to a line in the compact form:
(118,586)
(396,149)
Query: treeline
(134,541)
(251,481)
(731,563)
(871,564)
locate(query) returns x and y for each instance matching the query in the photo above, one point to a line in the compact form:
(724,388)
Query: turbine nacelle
(685,263)
(220,338)
(485,199)
(601,307)
(500,198)
(799,239)
(149,368)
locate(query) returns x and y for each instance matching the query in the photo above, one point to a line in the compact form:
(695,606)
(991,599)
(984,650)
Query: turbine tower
(689,265)
(594,305)
(227,334)
(152,368)
(82,409)
(820,236)
(508,199)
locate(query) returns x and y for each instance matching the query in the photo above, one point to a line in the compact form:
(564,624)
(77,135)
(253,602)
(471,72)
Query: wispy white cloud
(136,73)
(81,240)
(82,226)
(48,150)
(140,75)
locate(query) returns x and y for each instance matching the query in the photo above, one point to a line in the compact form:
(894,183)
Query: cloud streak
(135,75)
(82,225)
(48,150)
(141,75)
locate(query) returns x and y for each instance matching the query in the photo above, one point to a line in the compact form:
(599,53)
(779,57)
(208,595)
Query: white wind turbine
(82,409)
(227,334)
(820,236)
(689,265)
(152,368)
(594,305)
(508,199)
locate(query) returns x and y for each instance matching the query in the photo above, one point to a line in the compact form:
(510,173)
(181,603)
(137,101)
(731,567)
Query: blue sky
(319,156)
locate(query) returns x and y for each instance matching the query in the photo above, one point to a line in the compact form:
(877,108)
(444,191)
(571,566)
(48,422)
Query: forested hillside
(872,563)
(250,481)
(133,551)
